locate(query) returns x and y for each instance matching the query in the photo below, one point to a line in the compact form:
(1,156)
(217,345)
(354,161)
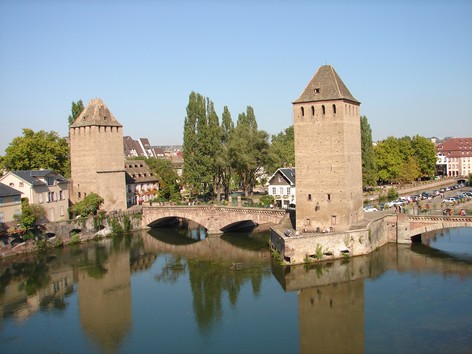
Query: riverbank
(69,232)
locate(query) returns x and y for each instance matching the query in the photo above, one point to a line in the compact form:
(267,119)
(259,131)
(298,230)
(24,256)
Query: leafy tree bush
(31,215)
(392,193)
(35,150)
(266,200)
(88,206)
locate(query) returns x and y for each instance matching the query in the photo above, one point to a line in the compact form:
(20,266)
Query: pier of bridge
(362,239)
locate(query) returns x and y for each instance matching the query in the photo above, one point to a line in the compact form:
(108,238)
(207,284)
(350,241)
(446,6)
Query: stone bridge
(409,226)
(216,219)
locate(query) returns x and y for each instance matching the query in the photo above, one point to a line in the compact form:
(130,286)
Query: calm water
(166,292)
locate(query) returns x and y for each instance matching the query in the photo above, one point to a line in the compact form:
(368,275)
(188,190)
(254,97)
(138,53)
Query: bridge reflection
(330,295)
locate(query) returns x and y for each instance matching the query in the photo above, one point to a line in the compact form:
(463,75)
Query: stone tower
(97,156)
(327,154)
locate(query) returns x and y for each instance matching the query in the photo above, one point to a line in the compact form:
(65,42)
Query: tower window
(317,90)
(334,108)
(323,109)
(309,196)
(303,111)
(329,197)
(312,110)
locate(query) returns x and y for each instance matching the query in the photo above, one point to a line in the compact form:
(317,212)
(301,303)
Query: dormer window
(317,90)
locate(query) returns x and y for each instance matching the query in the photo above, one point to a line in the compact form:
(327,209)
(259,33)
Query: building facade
(281,186)
(142,186)
(10,204)
(454,157)
(43,187)
(97,157)
(327,154)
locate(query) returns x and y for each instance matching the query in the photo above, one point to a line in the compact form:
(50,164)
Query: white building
(281,185)
(454,157)
(44,187)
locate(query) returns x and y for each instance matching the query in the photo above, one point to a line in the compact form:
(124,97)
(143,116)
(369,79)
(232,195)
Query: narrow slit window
(323,109)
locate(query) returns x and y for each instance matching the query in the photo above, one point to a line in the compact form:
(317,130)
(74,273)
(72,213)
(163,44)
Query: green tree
(388,159)
(425,154)
(369,168)
(202,145)
(281,151)
(87,206)
(169,188)
(77,108)
(35,150)
(194,158)
(248,150)
(213,147)
(409,171)
(223,162)
(31,214)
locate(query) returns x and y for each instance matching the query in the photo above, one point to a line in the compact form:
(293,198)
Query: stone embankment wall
(74,231)
(334,245)
(413,188)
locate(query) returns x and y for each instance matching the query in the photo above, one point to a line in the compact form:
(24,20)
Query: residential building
(10,204)
(141,184)
(96,156)
(454,157)
(43,187)
(327,154)
(131,147)
(281,186)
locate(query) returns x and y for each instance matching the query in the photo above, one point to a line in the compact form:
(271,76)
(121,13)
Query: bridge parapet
(419,224)
(214,218)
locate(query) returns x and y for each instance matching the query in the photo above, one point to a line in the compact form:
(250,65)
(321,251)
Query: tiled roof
(6,191)
(325,85)
(456,147)
(31,176)
(287,173)
(139,171)
(96,113)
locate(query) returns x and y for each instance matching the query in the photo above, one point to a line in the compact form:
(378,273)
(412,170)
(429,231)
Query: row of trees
(396,160)
(221,156)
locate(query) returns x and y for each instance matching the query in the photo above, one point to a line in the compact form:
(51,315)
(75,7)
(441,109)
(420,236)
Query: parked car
(449,200)
(370,208)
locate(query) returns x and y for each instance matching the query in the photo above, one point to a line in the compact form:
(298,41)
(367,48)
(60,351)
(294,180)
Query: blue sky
(408,62)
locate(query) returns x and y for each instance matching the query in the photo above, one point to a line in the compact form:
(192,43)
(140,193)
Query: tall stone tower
(97,156)
(327,154)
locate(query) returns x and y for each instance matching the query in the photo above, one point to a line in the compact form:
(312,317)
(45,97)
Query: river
(171,291)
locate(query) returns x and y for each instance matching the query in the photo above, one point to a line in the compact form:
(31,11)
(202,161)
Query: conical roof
(96,113)
(325,85)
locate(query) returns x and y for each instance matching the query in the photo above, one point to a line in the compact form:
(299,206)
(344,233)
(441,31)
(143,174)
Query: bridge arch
(216,219)
(422,224)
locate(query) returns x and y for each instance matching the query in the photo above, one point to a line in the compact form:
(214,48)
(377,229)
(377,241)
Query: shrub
(75,239)
(89,205)
(392,193)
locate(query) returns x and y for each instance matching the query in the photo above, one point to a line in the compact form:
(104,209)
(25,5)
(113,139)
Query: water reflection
(104,293)
(333,312)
